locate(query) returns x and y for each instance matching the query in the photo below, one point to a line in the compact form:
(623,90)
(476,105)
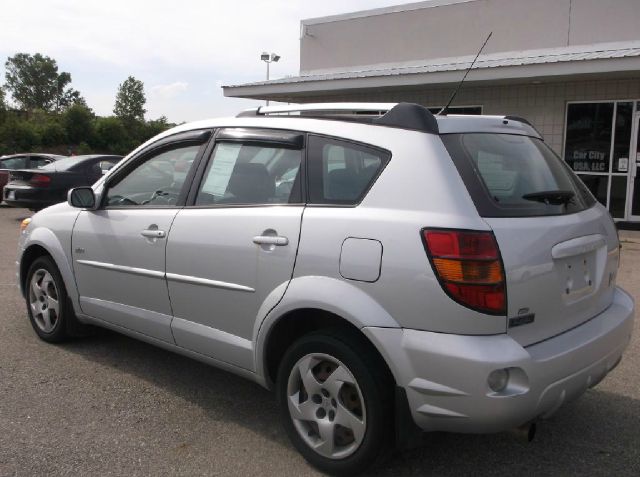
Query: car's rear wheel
(335,402)
(46,298)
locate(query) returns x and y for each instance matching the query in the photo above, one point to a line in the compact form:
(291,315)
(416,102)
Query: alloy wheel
(44,300)
(326,405)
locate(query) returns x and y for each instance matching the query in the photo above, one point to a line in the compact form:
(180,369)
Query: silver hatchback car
(384,270)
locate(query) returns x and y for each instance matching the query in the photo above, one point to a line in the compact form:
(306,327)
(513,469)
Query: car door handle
(270,240)
(153,233)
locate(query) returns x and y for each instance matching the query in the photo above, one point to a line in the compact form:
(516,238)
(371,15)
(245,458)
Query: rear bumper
(445,376)
(29,198)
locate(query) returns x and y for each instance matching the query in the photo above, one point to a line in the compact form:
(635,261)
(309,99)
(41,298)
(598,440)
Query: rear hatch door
(559,246)
(560,271)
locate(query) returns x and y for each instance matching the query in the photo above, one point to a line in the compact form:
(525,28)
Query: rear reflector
(40,180)
(469,268)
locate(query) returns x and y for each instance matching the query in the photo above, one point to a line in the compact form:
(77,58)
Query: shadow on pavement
(570,443)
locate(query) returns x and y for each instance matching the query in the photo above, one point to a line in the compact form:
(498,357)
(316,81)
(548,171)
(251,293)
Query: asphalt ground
(110,405)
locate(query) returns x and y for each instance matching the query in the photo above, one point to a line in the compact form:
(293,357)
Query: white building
(571,67)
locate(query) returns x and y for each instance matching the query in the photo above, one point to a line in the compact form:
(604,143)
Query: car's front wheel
(336,402)
(46,298)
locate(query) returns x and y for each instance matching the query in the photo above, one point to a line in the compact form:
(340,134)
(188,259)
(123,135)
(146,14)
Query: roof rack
(398,115)
(321,108)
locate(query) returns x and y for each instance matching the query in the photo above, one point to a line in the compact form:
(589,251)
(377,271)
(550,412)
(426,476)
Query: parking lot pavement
(109,405)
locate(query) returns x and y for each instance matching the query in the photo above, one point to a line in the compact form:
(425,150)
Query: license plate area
(578,275)
(11,195)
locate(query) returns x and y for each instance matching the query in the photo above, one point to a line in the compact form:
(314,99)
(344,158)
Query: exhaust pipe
(525,433)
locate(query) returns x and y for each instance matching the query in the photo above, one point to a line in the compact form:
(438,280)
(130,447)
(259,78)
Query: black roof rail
(409,116)
(249,113)
(401,115)
(519,119)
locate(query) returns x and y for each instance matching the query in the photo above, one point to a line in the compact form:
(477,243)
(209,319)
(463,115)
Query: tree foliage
(78,122)
(34,83)
(53,117)
(52,133)
(3,106)
(112,136)
(18,136)
(130,100)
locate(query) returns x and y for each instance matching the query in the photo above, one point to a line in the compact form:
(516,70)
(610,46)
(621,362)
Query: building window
(597,147)
(589,132)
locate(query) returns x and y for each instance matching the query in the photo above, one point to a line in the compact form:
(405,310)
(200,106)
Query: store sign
(589,161)
(589,136)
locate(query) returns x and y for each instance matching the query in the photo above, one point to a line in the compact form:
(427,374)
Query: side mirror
(82,198)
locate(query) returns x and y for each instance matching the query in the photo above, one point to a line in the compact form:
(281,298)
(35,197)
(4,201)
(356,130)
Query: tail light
(469,268)
(40,180)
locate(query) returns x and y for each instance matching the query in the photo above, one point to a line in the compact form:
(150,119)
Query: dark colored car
(22,161)
(36,189)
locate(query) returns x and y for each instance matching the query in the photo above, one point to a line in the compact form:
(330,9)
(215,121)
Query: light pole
(269,58)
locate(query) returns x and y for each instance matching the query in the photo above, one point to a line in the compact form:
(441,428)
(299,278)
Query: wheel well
(28,257)
(298,323)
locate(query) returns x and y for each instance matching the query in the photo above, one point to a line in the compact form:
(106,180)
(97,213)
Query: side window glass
(158,181)
(340,172)
(247,174)
(14,163)
(105,166)
(37,162)
(94,170)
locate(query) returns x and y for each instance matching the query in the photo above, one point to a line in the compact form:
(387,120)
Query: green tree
(130,100)
(78,123)
(68,98)
(34,82)
(154,127)
(18,136)
(3,106)
(111,136)
(52,133)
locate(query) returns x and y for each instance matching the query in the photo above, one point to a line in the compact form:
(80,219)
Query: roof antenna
(443,111)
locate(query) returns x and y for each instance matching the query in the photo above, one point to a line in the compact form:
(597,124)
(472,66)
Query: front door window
(158,181)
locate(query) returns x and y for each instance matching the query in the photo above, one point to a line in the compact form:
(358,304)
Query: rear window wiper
(553,197)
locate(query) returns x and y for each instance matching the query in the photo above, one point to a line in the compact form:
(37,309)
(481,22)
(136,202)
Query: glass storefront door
(634,179)
(597,147)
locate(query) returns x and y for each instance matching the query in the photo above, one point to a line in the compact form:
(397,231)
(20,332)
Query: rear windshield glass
(515,176)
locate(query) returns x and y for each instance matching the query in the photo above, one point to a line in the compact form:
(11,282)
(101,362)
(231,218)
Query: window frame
(609,174)
(201,137)
(256,136)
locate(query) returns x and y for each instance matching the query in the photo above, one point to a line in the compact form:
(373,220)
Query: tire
(49,311)
(340,414)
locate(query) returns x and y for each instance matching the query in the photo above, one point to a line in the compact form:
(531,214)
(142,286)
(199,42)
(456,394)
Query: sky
(183,51)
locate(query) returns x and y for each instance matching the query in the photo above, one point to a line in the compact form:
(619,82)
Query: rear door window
(510,175)
(341,172)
